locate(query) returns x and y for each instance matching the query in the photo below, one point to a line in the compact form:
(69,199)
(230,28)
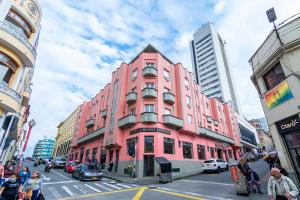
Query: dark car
(87,172)
(58,162)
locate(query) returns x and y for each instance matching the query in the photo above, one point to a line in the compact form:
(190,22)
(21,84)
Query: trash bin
(165,170)
(239,179)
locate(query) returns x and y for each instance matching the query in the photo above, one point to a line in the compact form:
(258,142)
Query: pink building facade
(153,108)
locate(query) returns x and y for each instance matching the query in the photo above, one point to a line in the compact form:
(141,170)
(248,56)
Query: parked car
(216,165)
(71,166)
(87,172)
(58,162)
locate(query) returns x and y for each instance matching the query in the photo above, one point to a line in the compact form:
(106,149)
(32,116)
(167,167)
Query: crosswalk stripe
(105,188)
(134,185)
(80,189)
(125,186)
(96,190)
(68,190)
(55,193)
(110,185)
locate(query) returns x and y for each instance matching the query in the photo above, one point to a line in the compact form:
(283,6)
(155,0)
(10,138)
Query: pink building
(153,108)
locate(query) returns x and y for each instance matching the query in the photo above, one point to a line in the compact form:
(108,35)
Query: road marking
(45,178)
(139,194)
(178,194)
(68,190)
(80,189)
(98,194)
(125,186)
(165,188)
(208,182)
(55,193)
(112,186)
(61,175)
(206,196)
(105,188)
(60,182)
(134,185)
(96,190)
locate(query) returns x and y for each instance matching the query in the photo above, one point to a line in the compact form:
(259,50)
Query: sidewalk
(128,179)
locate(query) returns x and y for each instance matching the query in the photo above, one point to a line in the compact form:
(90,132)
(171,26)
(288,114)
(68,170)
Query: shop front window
(149,144)
(169,145)
(201,152)
(187,150)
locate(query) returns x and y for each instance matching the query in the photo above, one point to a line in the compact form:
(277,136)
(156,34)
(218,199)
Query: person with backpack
(10,188)
(24,174)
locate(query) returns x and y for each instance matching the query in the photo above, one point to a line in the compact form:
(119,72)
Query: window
(7,68)
(230,153)
(190,118)
(132,111)
(149,147)
(150,85)
(19,23)
(134,74)
(188,101)
(201,152)
(131,146)
(212,152)
(149,108)
(87,155)
(169,145)
(94,154)
(150,64)
(187,150)
(186,83)
(167,111)
(274,76)
(166,75)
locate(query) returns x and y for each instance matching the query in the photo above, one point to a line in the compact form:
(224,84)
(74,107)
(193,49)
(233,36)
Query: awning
(161,160)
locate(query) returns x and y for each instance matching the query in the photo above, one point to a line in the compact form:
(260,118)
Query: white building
(211,67)
(276,75)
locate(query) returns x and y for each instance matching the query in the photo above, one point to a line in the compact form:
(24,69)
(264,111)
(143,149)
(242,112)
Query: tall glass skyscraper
(44,148)
(211,67)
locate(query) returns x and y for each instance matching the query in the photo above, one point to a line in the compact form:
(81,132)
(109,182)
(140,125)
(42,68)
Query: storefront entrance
(148,165)
(219,153)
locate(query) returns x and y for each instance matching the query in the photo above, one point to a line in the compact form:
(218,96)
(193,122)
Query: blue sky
(83,41)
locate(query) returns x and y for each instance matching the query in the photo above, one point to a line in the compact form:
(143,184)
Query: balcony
(131,97)
(127,121)
(90,123)
(149,71)
(149,117)
(209,119)
(91,136)
(10,99)
(104,113)
(216,122)
(149,93)
(169,98)
(173,121)
(214,135)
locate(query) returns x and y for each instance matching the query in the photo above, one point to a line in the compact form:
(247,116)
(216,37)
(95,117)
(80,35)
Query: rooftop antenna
(272,17)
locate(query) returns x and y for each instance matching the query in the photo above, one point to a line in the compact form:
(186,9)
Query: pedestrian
(244,166)
(1,173)
(33,186)
(281,187)
(253,180)
(10,188)
(24,174)
(111,164)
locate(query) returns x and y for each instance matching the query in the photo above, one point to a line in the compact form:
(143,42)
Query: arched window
(7,68)
(19,23)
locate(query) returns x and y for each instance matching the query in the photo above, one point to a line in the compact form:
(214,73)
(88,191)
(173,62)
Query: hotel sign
(278,95)
(289,124)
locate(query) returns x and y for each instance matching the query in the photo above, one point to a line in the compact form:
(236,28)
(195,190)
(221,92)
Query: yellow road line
(99,193)
(139,194)
(178,194)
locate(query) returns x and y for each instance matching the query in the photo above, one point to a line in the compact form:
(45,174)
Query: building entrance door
(219,153)
(148,165)
(293,143)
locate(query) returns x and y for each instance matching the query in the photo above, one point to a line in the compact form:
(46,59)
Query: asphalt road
(59,185)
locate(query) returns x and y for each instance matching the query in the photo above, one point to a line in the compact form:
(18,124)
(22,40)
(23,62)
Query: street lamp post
(31,124)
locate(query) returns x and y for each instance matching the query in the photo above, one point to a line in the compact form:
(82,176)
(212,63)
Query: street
(60,185)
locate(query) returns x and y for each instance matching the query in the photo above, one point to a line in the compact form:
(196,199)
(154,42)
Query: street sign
(271,14)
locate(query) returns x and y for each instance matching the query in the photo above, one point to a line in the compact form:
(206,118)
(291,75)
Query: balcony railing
(173,121)
(149,93)
(214,135)
(104,113)
(90,122)
(13,94)
(149,117)
(209,119)
(149,71)
(169,98)
(91,136)
(131,97)
(127,121)
(216,122)
(12,31)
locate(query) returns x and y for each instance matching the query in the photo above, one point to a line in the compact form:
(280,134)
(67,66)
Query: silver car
(59,162)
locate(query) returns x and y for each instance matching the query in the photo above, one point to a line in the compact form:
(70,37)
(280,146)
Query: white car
(216,165)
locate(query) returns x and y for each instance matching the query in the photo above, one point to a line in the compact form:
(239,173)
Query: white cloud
(219,7)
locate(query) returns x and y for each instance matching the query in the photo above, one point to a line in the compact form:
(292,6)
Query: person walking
(253,179)
(10,188)
(281,187)
(24,174)
(1,173)
(33,186)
